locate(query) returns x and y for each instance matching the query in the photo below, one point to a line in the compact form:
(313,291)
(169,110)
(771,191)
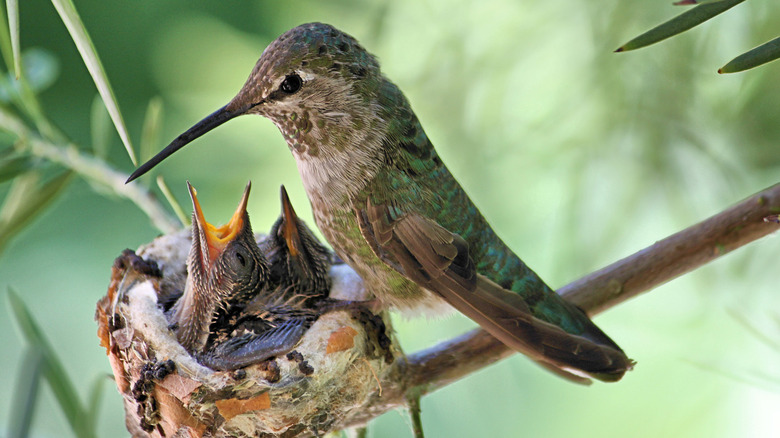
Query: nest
(325,384)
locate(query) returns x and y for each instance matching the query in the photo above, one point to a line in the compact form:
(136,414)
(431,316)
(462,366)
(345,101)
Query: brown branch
(678,254)
(433,368)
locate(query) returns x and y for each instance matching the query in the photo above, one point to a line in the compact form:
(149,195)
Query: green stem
(90,168)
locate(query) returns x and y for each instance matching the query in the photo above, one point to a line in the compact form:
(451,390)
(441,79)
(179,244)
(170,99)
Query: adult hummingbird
(389,206)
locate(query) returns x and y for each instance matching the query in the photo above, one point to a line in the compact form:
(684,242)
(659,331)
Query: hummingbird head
(224,262)
(311,76)
(327,96)
(321,88)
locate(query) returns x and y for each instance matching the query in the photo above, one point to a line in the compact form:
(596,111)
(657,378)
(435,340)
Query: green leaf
(95,397)
(5,40)
(26,100)
(62,387)
(27,384)
(762,54)
(78,32)
(25,200)
(100,123)
(679,24)
(13,166)
(151,130)
(13,26)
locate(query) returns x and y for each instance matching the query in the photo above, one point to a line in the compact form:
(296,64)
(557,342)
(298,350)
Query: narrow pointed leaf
(151,129)
(65,392)
(27,384)
(5,40)
(100,123)
(11,167)
(58,380)
(25,200)
(679,24)
(78,32)
(185,220)
(25,99)
(95,397)
(12,6)
(17,196)
(762,54)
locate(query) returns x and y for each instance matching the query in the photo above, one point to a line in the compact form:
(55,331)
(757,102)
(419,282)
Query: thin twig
(92,169)
(414,412)
(96,170)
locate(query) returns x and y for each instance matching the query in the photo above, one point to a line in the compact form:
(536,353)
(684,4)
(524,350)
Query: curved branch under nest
(339,377)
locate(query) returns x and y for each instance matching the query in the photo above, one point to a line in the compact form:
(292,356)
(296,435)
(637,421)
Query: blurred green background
(577,156)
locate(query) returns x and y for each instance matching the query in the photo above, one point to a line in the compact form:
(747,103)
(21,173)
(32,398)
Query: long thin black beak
(211,121)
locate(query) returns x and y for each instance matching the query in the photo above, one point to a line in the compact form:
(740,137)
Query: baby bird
(297,260)
(270,321)
(224,265)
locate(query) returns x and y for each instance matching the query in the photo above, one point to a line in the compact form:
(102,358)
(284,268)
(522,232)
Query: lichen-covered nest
(324,384)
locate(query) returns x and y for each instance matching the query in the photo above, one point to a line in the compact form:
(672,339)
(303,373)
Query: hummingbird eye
(291,83)
(241,259)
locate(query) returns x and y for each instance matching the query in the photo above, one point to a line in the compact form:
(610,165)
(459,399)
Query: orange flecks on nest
(103,306)
(341,339)
(102,316)
(231,407)
(180,386)
(175,419)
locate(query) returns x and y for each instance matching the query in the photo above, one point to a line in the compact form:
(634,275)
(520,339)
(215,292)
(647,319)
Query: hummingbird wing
(439,260)
(250,348)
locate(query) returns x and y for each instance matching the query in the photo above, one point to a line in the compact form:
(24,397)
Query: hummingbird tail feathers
(439,260)
(507,317)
